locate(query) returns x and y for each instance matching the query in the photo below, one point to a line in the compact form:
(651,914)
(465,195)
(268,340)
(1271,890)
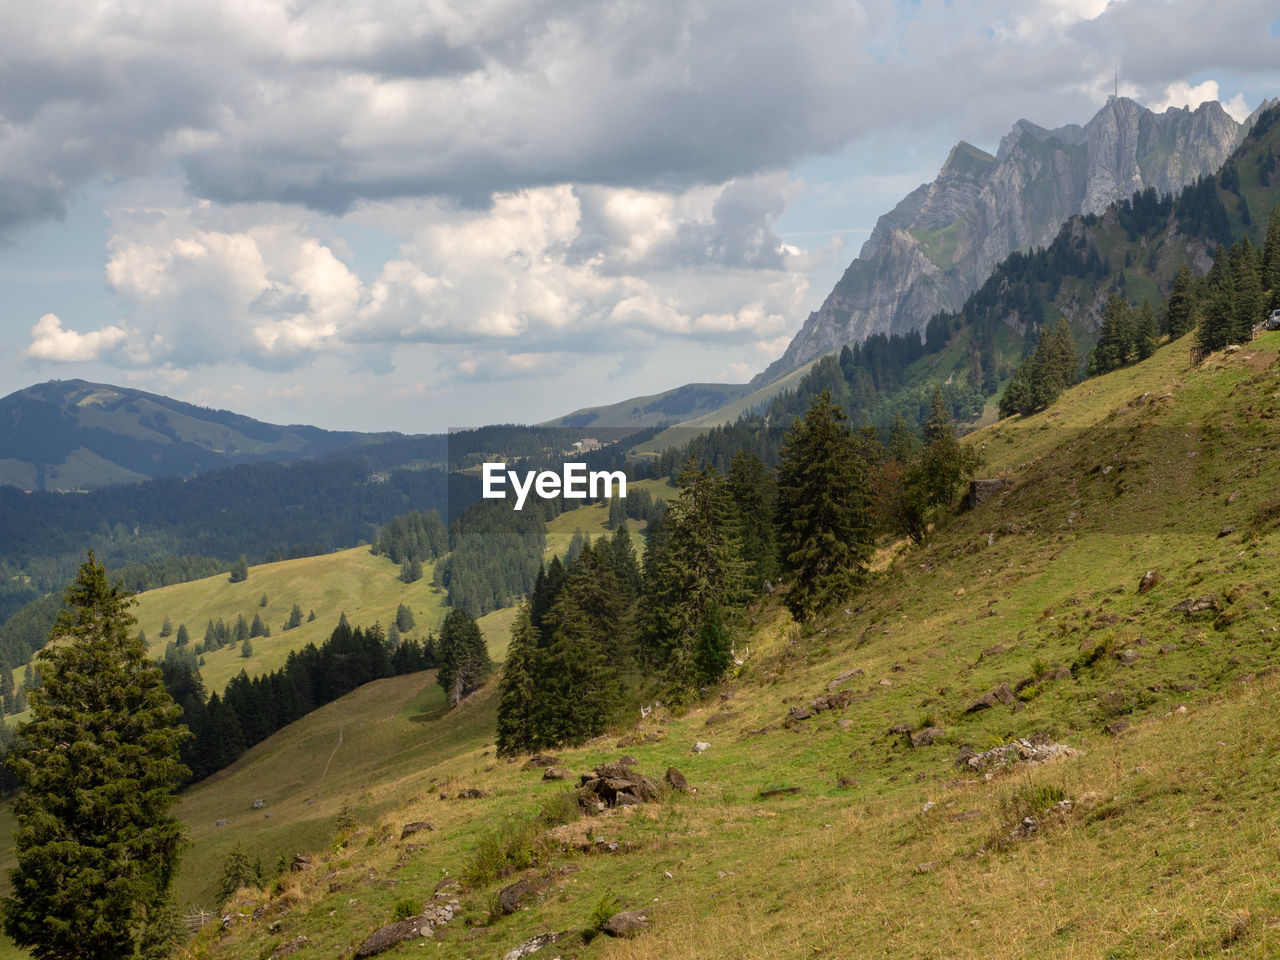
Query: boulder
(629,923)
(701,747)
(1196,605)
(531,946)
(555,773)
(832,701)
(676,781)
(927,737)
(384,938)
(617,785)
(542,760)
(844,677)
(299,863)
(996,695)
(512,898)
(798,712)
(1031,751)
(780,792)
(418,826)
(1149,581)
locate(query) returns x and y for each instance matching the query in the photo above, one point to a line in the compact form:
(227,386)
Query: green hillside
(1154,839)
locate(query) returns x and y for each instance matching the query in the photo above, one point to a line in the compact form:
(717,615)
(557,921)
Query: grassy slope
(1168,849)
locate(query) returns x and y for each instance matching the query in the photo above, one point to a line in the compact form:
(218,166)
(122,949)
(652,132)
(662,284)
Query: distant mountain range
(76,435)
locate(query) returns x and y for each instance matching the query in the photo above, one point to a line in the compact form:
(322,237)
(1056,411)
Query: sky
(393,215)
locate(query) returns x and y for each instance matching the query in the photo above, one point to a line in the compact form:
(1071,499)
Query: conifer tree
(464,657)
(1146,331)
(263,601)
(1115,339)
(823,510)
(580,685)
(183,638)
(521,702)
(1271,255)
(96,846)
(404,619)
(240,570)
(258,628)
(246,648)
(166,628)
(295,617)
(1180,309)
(754,492)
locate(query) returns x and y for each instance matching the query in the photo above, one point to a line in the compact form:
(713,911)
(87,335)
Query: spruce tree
(404,619)
(1271,255)
(96,847)
(521,702)
(753,491)
(464,657)
(1180,309)
(1146,331)
(166,628)
(823,511)
(240,570)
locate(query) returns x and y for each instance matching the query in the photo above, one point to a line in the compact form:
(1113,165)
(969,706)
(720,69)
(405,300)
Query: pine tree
(183,638)
(823,511)
(166,628)
(96,847)
(258,628)
(579,686)
(311,617)
(263,602)
(404,619)
(1180,309)
(1146,331)
(754,492)
(1247,301)
(464,657)
(240,570)
(295,617)
(246,648)
(520,704)
(1115,339)
(242,629)
(1271,255)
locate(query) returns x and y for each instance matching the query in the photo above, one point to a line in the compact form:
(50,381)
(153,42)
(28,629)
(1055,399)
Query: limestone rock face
(941,242)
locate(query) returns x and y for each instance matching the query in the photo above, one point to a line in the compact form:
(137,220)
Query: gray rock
(512,898)
(798,712)
(629,923)
(1149,580)
(996,695)
(556,773)
(701,747)
(532,946)
(676,781)
(384,938)
(927,737)
(418,826)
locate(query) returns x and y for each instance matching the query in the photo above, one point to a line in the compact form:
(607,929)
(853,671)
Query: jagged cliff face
(942,241)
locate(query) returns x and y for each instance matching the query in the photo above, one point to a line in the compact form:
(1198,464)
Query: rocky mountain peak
(941,242)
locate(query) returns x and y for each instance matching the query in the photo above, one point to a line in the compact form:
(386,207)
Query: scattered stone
(928,867)
(1117,727)
(555,773)
(1226,531)
(532,946)
(831,701)
(844,678)
(980,491)
(542,760)
(1128,657)
(844,783)
(616,785)
(1149,581)
(1197,605)
(927,737)
(779,792)
(288,949)
(512,898)
(222,823)
(701,747)
(886,682)
(627,760)
(259,804)
(846,723)
(720,716)
(1031,751)
(676,781)
(1181,710)
(798,712)
(629,923)
(900,730)
(384,938)
(299,863)
(409,829)
(1000,694)
(991,651)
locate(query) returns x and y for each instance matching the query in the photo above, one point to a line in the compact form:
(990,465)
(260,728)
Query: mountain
(76,435)
(941,242)
(678,404)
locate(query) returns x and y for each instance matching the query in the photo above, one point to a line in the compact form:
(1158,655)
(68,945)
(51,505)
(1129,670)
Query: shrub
(406,908)
(505,849)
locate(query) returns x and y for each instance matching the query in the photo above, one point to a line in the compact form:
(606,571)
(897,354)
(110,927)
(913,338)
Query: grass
(1165,848)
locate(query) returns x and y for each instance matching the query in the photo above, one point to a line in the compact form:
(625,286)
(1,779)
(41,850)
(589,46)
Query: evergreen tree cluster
(251,709)
(1043,376)
(495,558)
(463,657)
(1237,291)
(412,536)
(1126,336)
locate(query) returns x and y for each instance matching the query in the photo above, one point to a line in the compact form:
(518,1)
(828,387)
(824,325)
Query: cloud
(1183,94)
(539,274)
(330,105)
(49,341)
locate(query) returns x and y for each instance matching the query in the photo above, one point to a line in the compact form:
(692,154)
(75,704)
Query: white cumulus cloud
(50,341)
